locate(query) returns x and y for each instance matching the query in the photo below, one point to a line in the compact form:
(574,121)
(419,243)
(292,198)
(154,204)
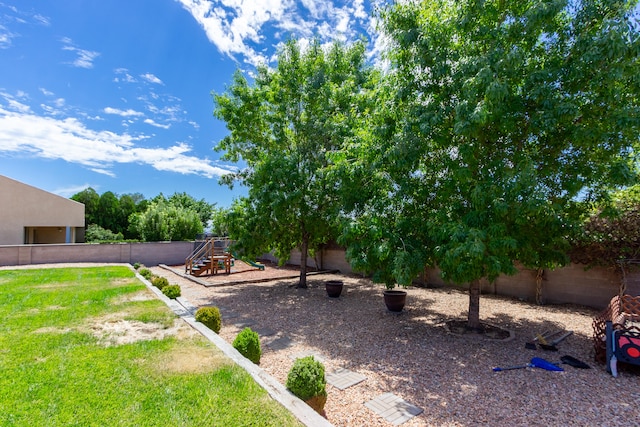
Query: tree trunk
(473,320)
(304,249)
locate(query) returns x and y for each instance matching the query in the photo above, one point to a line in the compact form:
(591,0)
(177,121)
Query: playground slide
(251,263)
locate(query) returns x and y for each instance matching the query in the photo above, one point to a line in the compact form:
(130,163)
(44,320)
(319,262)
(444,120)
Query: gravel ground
(413,355)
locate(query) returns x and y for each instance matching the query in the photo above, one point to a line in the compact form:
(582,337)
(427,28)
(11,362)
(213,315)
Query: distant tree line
(109,217)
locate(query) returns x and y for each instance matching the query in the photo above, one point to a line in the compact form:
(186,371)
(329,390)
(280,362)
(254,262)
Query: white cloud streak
(123,113)
(84,57)
(158,125)
(70,140)
(151,78)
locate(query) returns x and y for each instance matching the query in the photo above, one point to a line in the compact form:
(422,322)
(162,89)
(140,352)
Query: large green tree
(506,114)
(288,126)
(162,221)
(186,201)
(90,198)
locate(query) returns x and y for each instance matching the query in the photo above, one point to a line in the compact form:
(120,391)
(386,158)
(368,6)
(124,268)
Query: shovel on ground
(540,338)
(552,345)
(536,362)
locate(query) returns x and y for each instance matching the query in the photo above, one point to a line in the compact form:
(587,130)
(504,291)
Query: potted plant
(334,288)
(378,246)
(394,299)
(307,381)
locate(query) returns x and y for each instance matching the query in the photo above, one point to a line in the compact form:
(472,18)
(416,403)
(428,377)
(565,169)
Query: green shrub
(146,273)
(248,344)
(97,234)
(171,291)
(136,265)
(211,318)
(306,380)
(160,282)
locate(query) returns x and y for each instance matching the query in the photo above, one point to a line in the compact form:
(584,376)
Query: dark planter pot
(334,288)
(395,300)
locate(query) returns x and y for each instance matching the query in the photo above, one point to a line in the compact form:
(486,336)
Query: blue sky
(116,94)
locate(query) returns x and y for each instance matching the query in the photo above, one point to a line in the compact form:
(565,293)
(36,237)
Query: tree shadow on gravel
(413,354)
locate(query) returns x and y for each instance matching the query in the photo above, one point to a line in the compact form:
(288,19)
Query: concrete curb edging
(303,412)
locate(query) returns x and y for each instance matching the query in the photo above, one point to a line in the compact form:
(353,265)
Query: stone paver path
(343,378)
(393,408)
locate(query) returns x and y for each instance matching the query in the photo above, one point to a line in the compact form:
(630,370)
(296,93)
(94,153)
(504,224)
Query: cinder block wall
(573,284)
(152,253)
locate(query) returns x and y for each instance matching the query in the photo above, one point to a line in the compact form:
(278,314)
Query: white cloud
(124,76)
(6,37)
(158,125)
(70,140)
(123,113)
(170,112)
(18,106)
(42,19)
(84,57)
(151,78)
(237,27)
(46,92)
(231,25)
(70,191)
(51,110)
(15,105)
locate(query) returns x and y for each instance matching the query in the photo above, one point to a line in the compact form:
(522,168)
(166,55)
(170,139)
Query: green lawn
(61,366)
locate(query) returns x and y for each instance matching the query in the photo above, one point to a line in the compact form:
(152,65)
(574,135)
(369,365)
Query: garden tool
(541,339)
(531,345)
(572,361)
(552,345)
(536,362)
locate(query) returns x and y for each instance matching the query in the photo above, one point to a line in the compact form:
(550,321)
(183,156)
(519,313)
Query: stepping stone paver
(342,378)
(393,408)
(264,331)
(280,343)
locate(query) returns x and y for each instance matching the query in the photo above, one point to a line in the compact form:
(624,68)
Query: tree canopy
(289,125)
(110,217)
(163,221)
(505,115)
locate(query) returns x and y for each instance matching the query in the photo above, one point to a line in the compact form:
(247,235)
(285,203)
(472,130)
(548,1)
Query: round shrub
(136,265)
(171,291)
(306,380)
(146,273)
(211,318)
(248,344)
(160,282)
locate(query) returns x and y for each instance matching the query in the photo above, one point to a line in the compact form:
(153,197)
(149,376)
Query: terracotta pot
(334,288)
(317,403)
(395,300)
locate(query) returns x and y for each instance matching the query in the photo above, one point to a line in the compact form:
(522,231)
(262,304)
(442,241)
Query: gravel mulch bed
(415,357)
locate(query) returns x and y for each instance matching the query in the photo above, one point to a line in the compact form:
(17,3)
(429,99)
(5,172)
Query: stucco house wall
(31,215)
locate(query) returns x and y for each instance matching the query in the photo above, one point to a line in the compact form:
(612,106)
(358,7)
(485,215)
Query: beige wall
(573,284)
(170,253)
(50,217)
